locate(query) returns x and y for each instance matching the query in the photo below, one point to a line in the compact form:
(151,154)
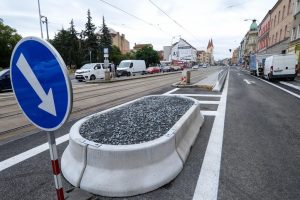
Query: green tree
(105,40)
(8,40)
(90,47)
(116,55)
(148,54)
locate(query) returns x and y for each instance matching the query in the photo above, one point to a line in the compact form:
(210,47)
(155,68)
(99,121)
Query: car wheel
(79,80)
(93,77)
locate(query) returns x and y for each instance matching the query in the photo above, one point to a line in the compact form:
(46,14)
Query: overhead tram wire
(138,18)
(173,19)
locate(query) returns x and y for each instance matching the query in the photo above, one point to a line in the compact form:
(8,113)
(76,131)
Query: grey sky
(221,20)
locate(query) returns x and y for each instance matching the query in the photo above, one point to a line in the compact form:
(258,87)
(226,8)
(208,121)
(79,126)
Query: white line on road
(171,91)
(283,89)
(30,153)
(209,102)
(290,85)
(209,113)
(208,181)
(199,95)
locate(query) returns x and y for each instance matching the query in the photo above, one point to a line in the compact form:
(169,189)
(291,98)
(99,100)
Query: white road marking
(209,102)
(249,82)
(171,91)
(30,153)
(290,85)
(199,95)
(208,181)
(209,113)
(283,89)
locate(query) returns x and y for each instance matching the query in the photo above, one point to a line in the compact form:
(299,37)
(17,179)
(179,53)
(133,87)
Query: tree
(148,54)
(68,45)
(8,40)
(105,39)
(91,47)
(116,55)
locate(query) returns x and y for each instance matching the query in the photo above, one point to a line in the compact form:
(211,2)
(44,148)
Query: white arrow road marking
(248,82)
(47,104)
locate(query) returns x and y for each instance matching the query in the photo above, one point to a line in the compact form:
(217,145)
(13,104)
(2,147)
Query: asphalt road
(247,148)
(261,147)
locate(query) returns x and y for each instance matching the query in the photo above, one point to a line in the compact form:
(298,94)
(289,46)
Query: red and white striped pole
(55,166)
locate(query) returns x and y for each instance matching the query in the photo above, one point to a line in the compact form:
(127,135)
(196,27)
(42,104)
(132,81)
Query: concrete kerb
(127,170)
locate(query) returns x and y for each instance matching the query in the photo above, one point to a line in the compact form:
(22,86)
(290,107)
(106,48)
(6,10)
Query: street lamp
(40,17)
(45,21)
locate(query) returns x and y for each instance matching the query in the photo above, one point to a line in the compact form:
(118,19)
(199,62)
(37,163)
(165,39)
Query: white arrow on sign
(47,104)
(248,82)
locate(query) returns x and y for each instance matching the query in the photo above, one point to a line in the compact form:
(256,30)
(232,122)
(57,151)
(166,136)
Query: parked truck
(280,66)
(131,67)
(256,66)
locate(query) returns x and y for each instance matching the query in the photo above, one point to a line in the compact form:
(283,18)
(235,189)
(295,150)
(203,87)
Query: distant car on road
(152,70)
(90,71)
(167,69)
(195,67)
(5,83)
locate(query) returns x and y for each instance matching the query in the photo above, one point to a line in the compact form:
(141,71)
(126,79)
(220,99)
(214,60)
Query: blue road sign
(41,83)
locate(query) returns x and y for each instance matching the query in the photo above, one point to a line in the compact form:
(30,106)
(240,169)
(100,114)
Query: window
(276,37)
(280,33)
(283,11)
(289,7)
(278,17)
(293,37)
(285,31)
(273,39)
(298,32)
(274,20)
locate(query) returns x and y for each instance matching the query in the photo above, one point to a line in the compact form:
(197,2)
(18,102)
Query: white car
(195,67)
(90,71)
(131,67)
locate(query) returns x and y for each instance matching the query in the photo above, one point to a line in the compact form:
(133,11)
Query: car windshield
(3,71)
(124,65)
(87,66)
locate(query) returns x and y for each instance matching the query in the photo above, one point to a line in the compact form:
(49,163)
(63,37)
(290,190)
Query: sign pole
(55,165)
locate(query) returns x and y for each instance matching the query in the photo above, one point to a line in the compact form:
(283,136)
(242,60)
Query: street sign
(105,50)
(41,83)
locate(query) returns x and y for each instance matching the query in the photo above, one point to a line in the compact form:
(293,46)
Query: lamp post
(40,17)
(45,21)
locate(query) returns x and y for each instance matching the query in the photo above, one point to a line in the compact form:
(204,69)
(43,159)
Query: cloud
(222,20)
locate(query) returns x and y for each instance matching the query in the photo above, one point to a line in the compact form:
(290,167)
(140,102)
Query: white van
(90,71)
(131,67)
(280,66)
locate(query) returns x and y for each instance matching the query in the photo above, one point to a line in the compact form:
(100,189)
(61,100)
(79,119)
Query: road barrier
(221,80)
(127,170)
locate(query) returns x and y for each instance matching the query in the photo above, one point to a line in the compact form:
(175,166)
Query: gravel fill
(135,123)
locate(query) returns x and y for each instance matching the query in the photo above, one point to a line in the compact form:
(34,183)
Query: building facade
(263,34)
(118,40)
(280,26)
(294,45)
(183,52)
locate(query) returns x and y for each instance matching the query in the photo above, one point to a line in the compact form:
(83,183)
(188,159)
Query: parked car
(167,69)
(195,67)
(90,71)
(131,67)
(152,70)
(5,83)
(280,66)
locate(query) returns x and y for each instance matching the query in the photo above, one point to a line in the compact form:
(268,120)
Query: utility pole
(40,19)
